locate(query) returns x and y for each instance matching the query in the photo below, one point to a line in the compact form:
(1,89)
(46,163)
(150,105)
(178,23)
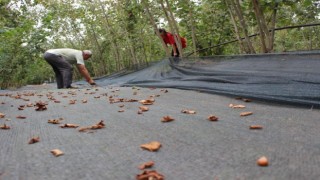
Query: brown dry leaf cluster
(34,140)
(186,111)
(146,165)
(246,113)
(152,146)
(99,125)
(56,152)
(213,118)
(150,175)
(69,126)
(72,101)
(5,127)
(167,119)
(41,106)
(237,106)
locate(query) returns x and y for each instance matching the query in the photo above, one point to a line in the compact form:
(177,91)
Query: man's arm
(174,48)
(84,72)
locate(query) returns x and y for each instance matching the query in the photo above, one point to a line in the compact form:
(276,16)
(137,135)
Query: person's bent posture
(62,60)
(168,38)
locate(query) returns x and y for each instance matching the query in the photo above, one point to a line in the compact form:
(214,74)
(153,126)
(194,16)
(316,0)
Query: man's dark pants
(62,69)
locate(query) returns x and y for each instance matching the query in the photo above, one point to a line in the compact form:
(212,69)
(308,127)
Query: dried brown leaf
(246,113)
(99,125)
(2,115)
(56,101)
(167,119)
(239,106)
(146,165)
(34,140)
(256,127)
(21,117)
(213,118)
(56,152)
(121,105)
(144,108)
(121,110)
(5,127)
(41,106)
(69,126)
(147,101)
(84,101)
(150,175)
(54,121)
(188,111)
(140,112)
(72,101)
(152,146)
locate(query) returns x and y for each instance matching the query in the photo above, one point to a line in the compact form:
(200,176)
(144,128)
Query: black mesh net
(292,78)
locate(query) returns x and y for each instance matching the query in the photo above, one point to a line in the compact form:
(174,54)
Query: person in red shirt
(168,38)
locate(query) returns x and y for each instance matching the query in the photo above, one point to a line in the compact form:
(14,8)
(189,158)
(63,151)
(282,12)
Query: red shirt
(169,39)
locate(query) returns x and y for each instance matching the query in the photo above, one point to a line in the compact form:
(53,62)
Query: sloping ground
(193,148)
(290,78)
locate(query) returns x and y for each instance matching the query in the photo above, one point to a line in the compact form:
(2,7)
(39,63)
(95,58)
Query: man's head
(86,54)
(162,31)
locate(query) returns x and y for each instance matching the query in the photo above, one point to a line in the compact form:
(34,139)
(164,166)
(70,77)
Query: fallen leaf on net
(256,127)
(246,113)
(167,119)
(56,101)
(139,112)
(84,101)
(41,106)
(54,121)
(2,115)
(164,90)
(146,165)
(29,105)
(121,110)
(152,146)
(56,152)
(188,111)
(121,105)
(244,99)
(144,108)
(21,107)
(34,140)
(4,126)
(147,101)
(236,106)
(72,101)
(150,175)
(213,118)
(21,117)
(69,126)
(99,125)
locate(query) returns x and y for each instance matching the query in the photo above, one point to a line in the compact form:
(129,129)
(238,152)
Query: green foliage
(121,36)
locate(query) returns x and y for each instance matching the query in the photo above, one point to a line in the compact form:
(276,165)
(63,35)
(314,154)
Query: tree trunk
(153,22)
(265,35)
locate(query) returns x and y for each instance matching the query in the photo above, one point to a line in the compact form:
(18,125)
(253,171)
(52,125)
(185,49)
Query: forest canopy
(121,33)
